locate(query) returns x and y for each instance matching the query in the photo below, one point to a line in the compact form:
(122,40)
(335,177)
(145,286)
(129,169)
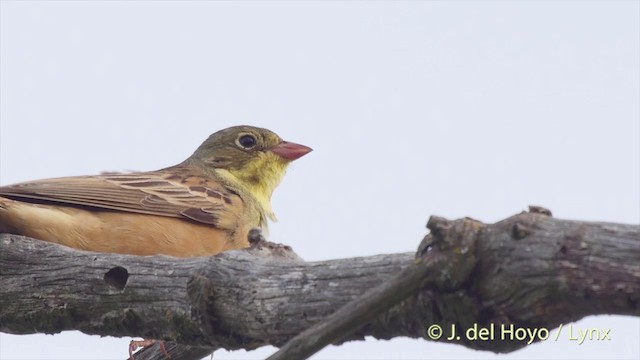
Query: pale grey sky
(413,108)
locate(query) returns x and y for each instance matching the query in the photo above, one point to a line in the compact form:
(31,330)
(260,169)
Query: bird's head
(252,157)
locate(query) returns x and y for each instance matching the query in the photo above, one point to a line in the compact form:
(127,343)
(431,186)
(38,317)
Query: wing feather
(174,192)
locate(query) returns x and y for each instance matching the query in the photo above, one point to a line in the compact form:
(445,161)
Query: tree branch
(527,271)
(432,262)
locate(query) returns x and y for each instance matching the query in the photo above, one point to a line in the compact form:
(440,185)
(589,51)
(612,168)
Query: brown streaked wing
(179,195)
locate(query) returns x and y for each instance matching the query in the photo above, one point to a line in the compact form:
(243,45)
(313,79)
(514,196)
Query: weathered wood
(257,298)
(435,266)
(527,271)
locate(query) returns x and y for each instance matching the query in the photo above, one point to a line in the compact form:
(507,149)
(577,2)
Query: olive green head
(234,147)
(250,157)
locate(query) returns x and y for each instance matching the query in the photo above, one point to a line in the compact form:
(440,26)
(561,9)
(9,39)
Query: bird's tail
(5,205)
(3,202)
(10,215)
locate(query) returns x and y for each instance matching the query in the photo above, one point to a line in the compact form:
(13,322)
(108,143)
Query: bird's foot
(256,238)
(257,242)
(136,344)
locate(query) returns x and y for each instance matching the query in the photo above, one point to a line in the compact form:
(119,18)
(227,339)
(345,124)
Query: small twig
(354,314)
(433,258)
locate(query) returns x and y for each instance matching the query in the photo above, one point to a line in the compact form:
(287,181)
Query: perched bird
(202,206)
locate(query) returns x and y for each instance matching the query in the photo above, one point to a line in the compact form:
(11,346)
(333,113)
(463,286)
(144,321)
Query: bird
(203,206)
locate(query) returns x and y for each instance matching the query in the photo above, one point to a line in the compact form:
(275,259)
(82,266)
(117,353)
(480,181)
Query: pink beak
(290,151)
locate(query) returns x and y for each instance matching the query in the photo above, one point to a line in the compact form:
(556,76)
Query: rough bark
(529,271)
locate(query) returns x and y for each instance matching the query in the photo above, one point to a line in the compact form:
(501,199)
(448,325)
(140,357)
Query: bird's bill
(290,151)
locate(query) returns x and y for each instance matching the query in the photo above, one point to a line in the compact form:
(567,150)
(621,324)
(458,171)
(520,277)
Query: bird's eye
(247,141)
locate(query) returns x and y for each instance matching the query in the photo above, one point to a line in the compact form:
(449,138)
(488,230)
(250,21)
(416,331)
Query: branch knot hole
(117,277)
(520,231)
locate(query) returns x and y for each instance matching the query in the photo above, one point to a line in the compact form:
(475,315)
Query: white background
(413,108)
